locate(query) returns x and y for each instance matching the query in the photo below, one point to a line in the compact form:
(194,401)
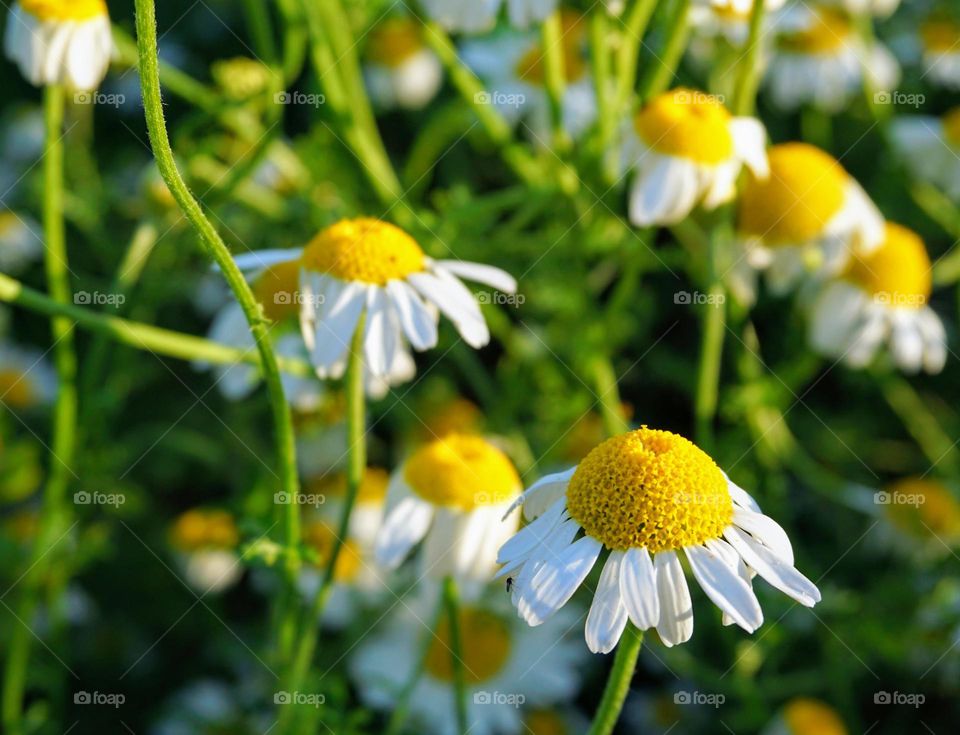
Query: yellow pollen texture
(922,507)
(364,249)
(373,487)
(276,289)
(951,127)
(805,716)
(687,124)
(394,41)
(899,269)
(16,389)
(463,472)
(827,33)
(485,647)
(64,9)
(205,529)
(649,489)
(320,537)
(805,190)
(939,34)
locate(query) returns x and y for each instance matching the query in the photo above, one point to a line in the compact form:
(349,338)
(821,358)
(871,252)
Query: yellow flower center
(485,647)
(394,41)
(649,489)
(276,290)
(205,529)
(64,9)
(321,538)
(805,190)
(373,487)
(923,507)
(463,472)
(951,127)
(897,271)
(810,717)
(545,722)
(16,390)
(939,34)
(364,249)
(687,124)
(828,33)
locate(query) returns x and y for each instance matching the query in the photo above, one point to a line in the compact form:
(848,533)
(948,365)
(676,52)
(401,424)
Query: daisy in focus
(930,148)
(400,70)
(66,42)
(806,716)
(806,218)
(206,543)
(822,61)
(649,497)
(687,151)
(882,299)
(941,52)
(366,269)
(450,494)
(473,16)
(507,669)
(27,379)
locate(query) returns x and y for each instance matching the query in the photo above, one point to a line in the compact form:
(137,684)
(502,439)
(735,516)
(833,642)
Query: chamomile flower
(881,298)
(921,517)
(806,716)
(27,379)
(807,217)
(649,497)
(451,494)
(729,19)
(687,151)
(930,149)
(940,43)
(21,242)
(473,16)
(400,70)
(508,669)
(876,8)
(822,61)
(206,544)
(65,42)
(372,270)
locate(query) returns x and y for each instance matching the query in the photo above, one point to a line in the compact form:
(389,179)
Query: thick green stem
(749,71)
(260,26)
(618,683)
(451,602)
(711,353)
(662,71)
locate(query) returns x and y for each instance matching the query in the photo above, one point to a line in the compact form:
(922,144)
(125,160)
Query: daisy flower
(930,148)
(366,266)
(806,716)
(451,494)
(20,241)
(939,35)
(805,218)
(821,60)
(206,544)
(688,150)
(882,298)
(507,667)
(27,379)
(729,19)
(876,8)
(65,42)
(400,70)
(646,496)
(473,16)
(922,516)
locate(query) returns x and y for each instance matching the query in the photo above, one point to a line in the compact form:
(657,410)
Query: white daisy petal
(418,323)
(338,323)
(542,494)
(456,303)
(638,585)
(608,616)
(404,526)
(724,587)
(531,535)
(675,625)
(772,568)
(557,580)
(480,273)
(766,530)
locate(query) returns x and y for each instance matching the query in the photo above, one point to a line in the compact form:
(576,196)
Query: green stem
(662,71)
(618,683)
(260,26)
(55,511)
(746,93)
(711,352)
(551,34)
(635,25)
(451,602)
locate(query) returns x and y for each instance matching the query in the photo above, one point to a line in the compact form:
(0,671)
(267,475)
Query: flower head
(27,380)
(941,55)
(206,541)
(400,70)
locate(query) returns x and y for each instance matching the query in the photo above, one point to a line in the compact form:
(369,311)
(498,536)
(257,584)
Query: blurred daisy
(821,60)
(65,42)
(922,514)
(930,148)
(507,667)
(400,70)
(805,716)
(472,16)
(206,543)
(940,41)
(728,18)
(368,267)
(882,298)
(27,379)
(646,496)
(512,65)
(688,150)
(451,494)
(805,218)
(21,241)
(877,8)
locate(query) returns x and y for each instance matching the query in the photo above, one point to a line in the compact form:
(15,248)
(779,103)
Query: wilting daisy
(206,543)
(821,60)
(65,42)
(806,716)
(805,218)
(507,667)
(21,241)
(882,298)
(646,496)
(27,379)
(451,494)
(470,16)
(930,148)
(372,270)
(688,150)
(400,70)
(939,36)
